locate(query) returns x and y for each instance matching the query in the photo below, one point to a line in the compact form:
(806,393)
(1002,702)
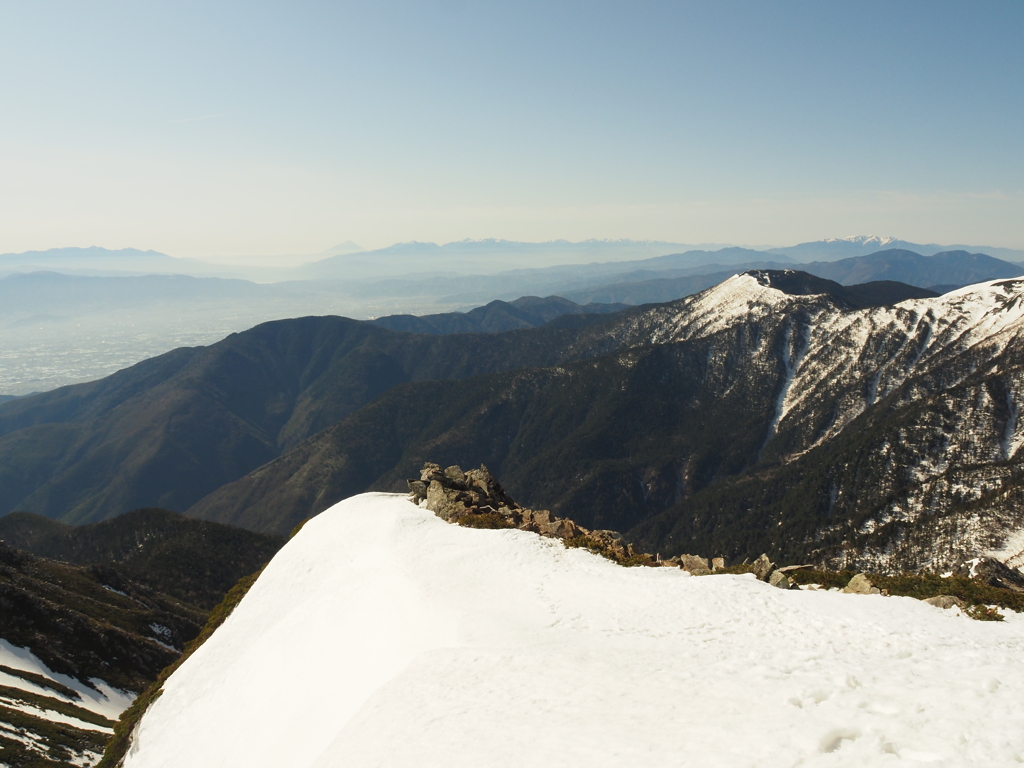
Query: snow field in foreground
(383,636)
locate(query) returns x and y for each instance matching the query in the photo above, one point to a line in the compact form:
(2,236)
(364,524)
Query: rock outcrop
(946,602)
(861,585)
(475,499)
(997,574)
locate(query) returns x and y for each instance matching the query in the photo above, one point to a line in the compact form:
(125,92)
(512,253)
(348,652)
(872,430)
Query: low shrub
(489,520)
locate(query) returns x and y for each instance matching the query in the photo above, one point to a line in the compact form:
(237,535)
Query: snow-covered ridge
(826,366)
(382,636)
(973,312)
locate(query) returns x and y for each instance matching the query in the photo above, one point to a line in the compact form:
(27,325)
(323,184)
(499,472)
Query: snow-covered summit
(741,298)
(382,636)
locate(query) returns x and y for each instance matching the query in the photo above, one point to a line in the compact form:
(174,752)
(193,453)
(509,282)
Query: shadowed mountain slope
(193,560)
(78,620)
(172,429)
(687,425)
(76,644)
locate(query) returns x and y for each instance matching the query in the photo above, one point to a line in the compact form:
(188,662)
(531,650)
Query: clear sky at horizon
(210,130)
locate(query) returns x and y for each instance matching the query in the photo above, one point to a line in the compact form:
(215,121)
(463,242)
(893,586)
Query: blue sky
(218,129)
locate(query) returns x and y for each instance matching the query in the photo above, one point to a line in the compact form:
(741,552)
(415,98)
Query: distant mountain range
(349,261)
(61,329)
(498,316)
(126,261)
(483,257)
(946,268)
(834,248)
(940,272)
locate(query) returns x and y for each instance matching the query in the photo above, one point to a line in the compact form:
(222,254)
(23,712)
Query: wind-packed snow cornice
(382,636)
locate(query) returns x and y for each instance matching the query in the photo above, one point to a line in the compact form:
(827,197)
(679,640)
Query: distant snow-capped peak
(862,240)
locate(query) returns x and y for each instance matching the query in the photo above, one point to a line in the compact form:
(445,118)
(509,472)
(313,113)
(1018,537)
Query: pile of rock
(476,500)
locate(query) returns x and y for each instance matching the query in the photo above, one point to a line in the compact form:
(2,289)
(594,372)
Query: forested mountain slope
(169,430)
(775,411)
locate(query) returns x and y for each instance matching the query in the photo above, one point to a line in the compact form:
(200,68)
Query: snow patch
(52,716)
(1012,551)
(102,699)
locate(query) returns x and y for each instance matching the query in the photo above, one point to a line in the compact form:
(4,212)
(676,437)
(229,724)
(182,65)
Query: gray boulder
(779,579)
(698,566)
(446,503)
(762,567)
(946,602)
(861,585)
(417,490)
(455,475)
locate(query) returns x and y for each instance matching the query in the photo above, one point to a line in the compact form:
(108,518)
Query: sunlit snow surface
(382,636)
